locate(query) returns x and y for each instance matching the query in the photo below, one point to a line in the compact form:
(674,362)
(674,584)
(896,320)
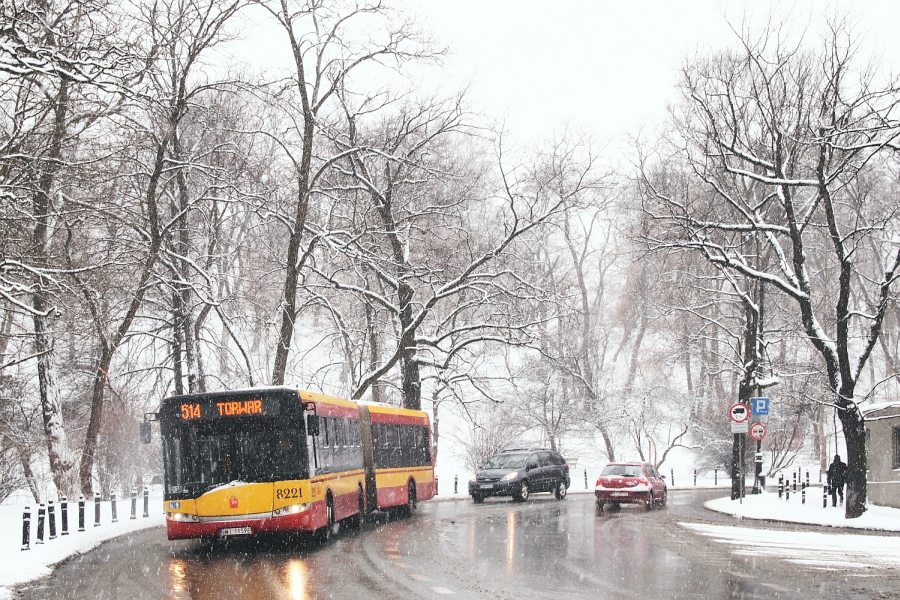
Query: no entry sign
(738,413)
(758,431)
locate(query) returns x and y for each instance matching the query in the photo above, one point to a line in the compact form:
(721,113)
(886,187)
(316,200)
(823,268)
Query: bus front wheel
(324,534)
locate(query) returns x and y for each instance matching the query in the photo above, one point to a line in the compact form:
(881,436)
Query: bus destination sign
(226,409)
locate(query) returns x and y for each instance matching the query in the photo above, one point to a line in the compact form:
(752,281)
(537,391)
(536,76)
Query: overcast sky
(607,65)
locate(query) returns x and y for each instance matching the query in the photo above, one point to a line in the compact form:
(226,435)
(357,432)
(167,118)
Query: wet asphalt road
(500,550)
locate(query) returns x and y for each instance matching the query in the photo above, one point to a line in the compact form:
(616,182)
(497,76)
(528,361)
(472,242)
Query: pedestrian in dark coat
(837,478)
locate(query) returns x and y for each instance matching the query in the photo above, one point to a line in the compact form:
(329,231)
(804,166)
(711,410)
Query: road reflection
(250,571)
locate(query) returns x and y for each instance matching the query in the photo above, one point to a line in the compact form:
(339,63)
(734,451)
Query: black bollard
(803,496)
(715,477)
(26,529)
(455,484)
(134,503)
(780,488)
(794,481)
(787,493)
(112,503)
(64,513)
(147,498)
(40,527)
(96,509)
(695,477)
(435,485)
(825,496)
(81,512)
(585,479)
(51,519)
(672,476)
(807,478)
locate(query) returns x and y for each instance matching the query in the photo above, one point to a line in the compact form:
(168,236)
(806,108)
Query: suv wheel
(478,498)
(561,489)
(524,492)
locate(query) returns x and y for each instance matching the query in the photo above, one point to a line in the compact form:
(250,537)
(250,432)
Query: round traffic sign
(758,431)
(738,413)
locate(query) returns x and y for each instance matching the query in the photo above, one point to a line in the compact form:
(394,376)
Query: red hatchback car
(631,482)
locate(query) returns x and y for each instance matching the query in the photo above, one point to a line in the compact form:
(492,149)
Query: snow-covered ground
(770,507)
(18,566)
(816,549)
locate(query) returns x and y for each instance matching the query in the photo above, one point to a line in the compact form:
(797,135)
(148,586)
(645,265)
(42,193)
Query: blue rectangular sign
(760,406)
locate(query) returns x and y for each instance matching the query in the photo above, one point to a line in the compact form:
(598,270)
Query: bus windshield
(200,456)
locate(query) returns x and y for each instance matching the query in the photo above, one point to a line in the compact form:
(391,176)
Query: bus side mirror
(312,424)
(145,432)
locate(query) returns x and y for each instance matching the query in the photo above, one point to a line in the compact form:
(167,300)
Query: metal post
(585,479)
(825,496)
(112,502)
(820,474)
(780,488)
(435,487)
(787,492)
(455,484)
(672,476)
(794,480)
(695,477)
(807,478)
(134,503)
(51,519)
(64,513)
(40,527)
(803,496)
(147,498)
(716,476)
(81,512)
(26,529)
(96,509)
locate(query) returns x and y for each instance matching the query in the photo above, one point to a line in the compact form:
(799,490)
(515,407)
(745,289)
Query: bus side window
(408,446)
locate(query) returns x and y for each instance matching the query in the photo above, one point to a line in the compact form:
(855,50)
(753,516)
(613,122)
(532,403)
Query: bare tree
(785,144)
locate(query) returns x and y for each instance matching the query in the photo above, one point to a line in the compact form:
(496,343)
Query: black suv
(519,473)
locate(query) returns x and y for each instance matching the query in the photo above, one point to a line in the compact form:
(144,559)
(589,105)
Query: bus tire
(358,518)
(410,499)
(324,534)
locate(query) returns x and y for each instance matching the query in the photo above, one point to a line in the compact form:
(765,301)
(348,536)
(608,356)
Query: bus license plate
(236,531)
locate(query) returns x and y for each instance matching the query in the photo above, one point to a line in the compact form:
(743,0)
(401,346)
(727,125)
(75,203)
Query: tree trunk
(857,463)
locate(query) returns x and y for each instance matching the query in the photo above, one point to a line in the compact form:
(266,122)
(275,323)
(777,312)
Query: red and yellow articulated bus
(262,460)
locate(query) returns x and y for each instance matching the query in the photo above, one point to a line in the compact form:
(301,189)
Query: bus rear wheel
(411,503)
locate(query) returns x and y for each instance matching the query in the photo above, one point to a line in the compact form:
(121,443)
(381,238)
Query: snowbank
(769,507)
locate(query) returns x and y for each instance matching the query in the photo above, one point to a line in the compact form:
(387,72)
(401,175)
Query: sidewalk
(769,507)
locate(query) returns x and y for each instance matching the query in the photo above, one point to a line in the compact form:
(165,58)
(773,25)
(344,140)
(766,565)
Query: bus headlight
(293,509)
(183,517)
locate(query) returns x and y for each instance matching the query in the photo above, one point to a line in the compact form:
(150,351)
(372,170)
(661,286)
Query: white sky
(605,65)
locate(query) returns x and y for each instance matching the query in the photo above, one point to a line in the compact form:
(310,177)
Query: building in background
(883,450)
